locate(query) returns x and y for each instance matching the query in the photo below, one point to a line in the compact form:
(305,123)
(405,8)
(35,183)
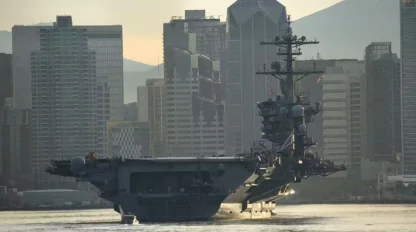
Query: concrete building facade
(209,32)
(25,40)
(129,139)
(6,91)
(130,112)
(311,87)
(337,100)
(383,110)
(355,103)
(143,104)
(150,109)
(105,41)
(15,141)
(6,78)
(70,105)
(194,98)
(248,23)
(335,128)
(408,85)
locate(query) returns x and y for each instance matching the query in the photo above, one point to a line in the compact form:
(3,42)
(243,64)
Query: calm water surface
(316,218)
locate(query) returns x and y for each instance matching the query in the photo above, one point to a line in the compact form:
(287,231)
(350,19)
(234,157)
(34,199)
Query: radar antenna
(284,119)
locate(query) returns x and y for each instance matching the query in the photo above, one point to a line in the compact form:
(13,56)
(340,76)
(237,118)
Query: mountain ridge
(346,28)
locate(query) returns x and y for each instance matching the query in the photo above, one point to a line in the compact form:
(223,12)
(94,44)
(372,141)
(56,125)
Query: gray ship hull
(163,189)
(170,208)
(188,189)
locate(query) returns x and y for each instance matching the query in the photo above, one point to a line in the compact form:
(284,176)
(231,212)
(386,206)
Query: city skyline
(144,47)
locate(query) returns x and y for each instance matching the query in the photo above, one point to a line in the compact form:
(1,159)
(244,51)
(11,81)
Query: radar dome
(77,163)
(298,111)
(283,111)
(302,129)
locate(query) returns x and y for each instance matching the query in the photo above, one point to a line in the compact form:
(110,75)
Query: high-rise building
(130,112)
(129,139)
(311,87)
(408,84)
(6,90)
(194,98)
(209,33)
(105,41)
(6,78)
(70,105)
(25,40)
(335,128)
(382,111)
(15,141)
(336,112)
(150,100)
(355,106)
(143,104)
(248,23)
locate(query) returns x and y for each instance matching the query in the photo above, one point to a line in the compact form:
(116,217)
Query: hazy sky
(141,19)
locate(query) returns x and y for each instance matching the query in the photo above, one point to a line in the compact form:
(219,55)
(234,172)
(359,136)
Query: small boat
(129,219)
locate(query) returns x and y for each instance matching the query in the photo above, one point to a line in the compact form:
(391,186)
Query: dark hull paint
(174,208)
(199,186)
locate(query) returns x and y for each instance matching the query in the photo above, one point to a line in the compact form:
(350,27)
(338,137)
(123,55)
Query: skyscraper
(382,94)
(105,41)
(355,125)
(15,152)
(408,84)
(150,100)
(311,87)
(6,78)
(209,33)
(337,98)
(194,98)
(70,104)
(130,112)
(6,89)
(248,23)
(25,40)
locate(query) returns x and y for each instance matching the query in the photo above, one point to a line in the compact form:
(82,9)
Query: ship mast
(284,119)
(291,47)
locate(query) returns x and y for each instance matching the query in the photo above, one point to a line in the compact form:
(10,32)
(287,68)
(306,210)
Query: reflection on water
(339,218)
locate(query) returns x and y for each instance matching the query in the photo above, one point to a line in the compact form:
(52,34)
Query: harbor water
(300,218)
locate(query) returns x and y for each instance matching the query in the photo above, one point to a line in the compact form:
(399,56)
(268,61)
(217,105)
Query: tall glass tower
(248,23)
(408,84)
(69,104)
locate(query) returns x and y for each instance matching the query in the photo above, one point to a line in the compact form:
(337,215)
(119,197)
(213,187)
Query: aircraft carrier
(240,186)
